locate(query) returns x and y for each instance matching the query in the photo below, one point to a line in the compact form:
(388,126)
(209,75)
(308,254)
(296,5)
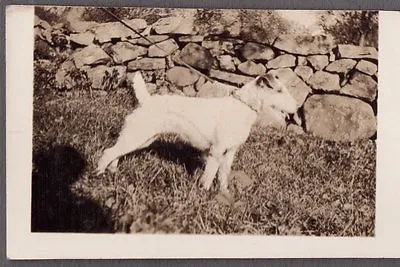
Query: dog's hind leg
(135,135)
(112,167)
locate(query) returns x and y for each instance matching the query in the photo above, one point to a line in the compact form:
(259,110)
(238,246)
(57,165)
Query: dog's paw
(205,182)
(100,171)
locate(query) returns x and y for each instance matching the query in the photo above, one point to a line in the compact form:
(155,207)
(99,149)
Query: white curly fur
(217,126)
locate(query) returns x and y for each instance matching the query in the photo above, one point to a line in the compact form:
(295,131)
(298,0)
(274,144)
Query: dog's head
(267,91)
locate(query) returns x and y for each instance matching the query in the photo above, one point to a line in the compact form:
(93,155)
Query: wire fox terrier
(217,126)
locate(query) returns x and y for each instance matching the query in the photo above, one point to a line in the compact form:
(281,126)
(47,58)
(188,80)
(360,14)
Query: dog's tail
(140,88)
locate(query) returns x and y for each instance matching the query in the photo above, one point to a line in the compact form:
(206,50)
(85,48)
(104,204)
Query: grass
(294,184)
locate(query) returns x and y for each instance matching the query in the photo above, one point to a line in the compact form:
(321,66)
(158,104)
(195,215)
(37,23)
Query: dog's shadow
(177,152)
(54,207)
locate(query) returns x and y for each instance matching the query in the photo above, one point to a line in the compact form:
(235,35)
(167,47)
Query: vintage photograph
(204,121)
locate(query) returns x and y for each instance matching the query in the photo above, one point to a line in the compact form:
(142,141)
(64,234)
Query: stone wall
(335,85)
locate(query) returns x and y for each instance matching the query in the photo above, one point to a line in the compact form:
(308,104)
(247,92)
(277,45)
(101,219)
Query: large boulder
(106,32)
(353,51)
(147,64)
(176,25)
(163,48)
(181,76)
(304,45)
(326,81)
(90,55)
(251,68)
(319,62)
(123,51)
(196,56)
(215,89)
(339,118)
(361,85)
(367,67)
(105,78)
(234,79)
(283,61)
(255,51)
(341,66)
(296,86)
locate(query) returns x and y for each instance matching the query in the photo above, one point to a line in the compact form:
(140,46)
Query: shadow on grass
(54,207)
(177,152)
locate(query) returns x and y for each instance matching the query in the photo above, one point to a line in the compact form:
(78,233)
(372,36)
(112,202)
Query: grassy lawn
(294,184)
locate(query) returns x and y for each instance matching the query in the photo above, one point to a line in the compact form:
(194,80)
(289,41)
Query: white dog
(217,126)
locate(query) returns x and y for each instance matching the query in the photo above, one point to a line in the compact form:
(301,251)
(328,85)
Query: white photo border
(22,244)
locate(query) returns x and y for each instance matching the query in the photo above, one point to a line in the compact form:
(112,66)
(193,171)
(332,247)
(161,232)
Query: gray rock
(105,32)
(219,47)
(195,56)
(301,61)
(163,48)
(361,85)
(319,62)
(181,76)
(356,52)
(200,82)
(147,64)
(103,77)
(175,25)
(322,80)
(189,91)
(255,51)
(367,67)
(149,40)
(304,72)
(191,39)
(283,61)
(235,79)
(124,51)
(304,45)
(90,55)
(296,86)
(215,89)
(339,118)
(251,68)
(84,38)
(341,66)
(226,63)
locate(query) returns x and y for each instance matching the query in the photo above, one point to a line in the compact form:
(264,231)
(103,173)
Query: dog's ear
(262,82)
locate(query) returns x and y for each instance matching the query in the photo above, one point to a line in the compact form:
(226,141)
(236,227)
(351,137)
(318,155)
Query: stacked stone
(335,86)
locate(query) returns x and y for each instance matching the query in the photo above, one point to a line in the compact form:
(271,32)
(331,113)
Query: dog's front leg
(225,169)
(212,165)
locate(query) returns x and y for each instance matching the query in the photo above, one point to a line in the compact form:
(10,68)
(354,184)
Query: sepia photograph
(204,121)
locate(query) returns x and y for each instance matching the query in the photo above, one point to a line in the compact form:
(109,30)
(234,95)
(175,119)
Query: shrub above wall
(335,86)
